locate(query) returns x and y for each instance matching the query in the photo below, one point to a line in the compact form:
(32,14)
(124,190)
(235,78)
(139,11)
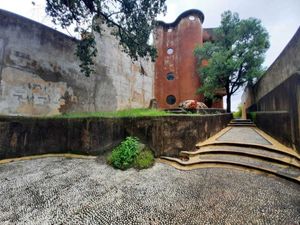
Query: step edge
(253,155)
(235,164)
(247,145)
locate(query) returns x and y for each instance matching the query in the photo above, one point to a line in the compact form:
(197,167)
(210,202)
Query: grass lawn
(121,113)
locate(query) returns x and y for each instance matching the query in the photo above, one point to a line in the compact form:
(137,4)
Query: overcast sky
(281,18)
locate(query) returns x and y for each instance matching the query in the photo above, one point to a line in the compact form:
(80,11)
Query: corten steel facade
(176,77)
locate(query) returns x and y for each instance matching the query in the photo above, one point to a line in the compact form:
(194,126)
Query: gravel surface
(77,191)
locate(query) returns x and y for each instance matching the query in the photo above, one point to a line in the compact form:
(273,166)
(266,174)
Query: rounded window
(170,76)
(171,99)
(191,18)
(170,51)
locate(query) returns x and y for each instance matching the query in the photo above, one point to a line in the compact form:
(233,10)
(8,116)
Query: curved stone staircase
(243,146)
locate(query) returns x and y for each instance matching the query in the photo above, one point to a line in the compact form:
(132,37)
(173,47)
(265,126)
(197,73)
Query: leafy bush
(123,156)
(238,114)
(131,153)
(145,159)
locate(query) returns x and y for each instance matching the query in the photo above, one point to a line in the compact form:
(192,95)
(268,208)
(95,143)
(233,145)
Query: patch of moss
(144,160)
(252,116)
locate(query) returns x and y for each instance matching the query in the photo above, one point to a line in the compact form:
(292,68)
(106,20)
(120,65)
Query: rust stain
(14,140)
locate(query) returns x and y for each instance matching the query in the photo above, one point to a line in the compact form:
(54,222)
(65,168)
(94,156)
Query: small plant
(144,160)
(123,156)
(131,153)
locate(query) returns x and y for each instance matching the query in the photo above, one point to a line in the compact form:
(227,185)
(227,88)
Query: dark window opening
(170,76)
(171,99)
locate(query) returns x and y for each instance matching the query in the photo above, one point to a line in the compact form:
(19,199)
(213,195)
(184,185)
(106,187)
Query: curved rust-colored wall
(182,36)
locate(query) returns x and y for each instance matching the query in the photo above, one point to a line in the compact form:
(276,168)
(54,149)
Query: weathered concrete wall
(170,135)
(279,90)
(164,135)
(286,65)
(276,123)
(132,82)
(40,74)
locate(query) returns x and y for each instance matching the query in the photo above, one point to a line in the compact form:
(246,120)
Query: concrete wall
(277,95)
(40,74)
(94,136)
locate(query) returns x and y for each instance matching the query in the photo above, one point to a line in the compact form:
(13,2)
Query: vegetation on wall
(234,58)
(252,116)
(133,21)
(131,153)
(139,112)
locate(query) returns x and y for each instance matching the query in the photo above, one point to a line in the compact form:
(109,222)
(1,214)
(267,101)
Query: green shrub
(144,159)
(123,156)
(252,116)
(238,114)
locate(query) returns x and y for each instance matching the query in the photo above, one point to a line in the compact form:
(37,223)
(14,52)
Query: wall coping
(190,12)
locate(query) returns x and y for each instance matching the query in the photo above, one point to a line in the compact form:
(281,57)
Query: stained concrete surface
(244,135)
(78,191)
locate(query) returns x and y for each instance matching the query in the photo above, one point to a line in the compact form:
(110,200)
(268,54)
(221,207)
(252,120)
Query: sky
(281,18)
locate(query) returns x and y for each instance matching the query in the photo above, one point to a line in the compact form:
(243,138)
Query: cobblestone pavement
(243,135)
(77,191)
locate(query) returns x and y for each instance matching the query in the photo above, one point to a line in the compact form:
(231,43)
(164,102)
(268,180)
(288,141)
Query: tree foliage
(133,20)
(234,58)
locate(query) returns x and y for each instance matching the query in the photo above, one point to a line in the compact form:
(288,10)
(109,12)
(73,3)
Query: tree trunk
(228,97)
(228,101)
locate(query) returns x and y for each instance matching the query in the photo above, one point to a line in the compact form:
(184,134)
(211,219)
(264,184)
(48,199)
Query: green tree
(234,58)
(133,20)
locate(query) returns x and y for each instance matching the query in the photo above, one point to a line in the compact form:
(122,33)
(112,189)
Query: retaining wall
(276,96)
(94,136)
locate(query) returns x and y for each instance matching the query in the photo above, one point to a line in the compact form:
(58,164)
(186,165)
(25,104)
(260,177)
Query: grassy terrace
(121,113)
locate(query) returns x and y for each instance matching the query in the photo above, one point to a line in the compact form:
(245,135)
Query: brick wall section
(182,38)
(164,135)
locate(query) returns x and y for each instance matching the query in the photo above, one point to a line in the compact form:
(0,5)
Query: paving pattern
(78,191)
(243,135)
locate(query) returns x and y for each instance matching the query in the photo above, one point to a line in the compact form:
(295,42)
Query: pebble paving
(78,191)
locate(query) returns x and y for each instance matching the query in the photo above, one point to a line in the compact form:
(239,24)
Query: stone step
(246,122)
(176,111)
(266,154)
(281,170)
(241,125)
(241,120)
(246,147)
